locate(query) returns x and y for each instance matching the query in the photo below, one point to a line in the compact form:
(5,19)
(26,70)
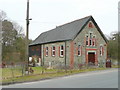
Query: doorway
(91,57)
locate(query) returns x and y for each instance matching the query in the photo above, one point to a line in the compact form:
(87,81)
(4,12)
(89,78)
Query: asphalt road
(94,79)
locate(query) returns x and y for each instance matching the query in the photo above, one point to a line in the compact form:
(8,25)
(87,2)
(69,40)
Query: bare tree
(2,15)
(19,29)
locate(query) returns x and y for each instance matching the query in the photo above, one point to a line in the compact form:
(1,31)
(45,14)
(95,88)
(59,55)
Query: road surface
(94,79)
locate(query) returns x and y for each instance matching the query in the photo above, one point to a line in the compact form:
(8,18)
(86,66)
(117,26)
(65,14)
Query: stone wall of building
(80,39)
(53,61)
(70,56)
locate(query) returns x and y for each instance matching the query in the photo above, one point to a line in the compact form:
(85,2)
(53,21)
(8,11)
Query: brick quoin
(81,51)
(106,52)
(59,51)
(77,50)
(45,51)
(71,54)
(96,57)
(51,51)
(86,56)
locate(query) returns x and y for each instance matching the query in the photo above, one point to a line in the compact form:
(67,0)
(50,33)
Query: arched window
(90,25)
(90,39)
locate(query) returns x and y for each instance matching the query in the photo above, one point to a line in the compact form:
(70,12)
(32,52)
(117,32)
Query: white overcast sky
(47,14)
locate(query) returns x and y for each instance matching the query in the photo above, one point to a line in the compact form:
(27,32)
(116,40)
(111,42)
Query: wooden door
(91,57)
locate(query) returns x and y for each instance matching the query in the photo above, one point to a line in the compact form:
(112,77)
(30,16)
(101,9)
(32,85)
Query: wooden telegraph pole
(0,40)
(27,35)
(0,46)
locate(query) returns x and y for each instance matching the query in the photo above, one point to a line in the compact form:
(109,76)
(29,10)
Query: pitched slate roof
(64,32)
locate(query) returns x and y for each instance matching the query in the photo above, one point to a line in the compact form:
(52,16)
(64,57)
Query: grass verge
(36,77)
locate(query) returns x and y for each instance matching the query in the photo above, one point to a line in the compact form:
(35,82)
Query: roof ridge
(75,20)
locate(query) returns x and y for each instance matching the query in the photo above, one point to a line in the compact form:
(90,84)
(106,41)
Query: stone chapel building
(77,42)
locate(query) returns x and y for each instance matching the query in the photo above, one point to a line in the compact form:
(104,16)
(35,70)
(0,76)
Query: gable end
(91,19)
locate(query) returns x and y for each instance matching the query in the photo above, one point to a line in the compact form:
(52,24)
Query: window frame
(87,40)
(53,51)
(46,51)
(61,50)
(90,25)
(94,37)
(90,39)
(101,50)
(79,51)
